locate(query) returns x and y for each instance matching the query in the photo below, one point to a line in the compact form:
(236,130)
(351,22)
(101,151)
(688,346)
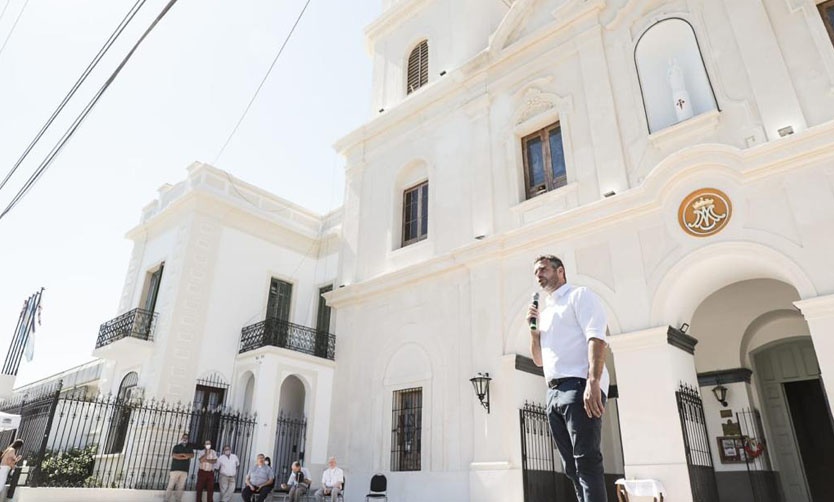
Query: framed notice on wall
(731,449)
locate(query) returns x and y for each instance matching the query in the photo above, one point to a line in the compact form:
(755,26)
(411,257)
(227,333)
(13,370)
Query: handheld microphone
(533,321)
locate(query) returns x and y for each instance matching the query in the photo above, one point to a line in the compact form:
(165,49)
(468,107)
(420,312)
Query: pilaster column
(819,314)
(651,364)
(264,398)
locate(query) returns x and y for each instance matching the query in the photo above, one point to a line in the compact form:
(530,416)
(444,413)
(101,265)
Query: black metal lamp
(481,385)
(720,393)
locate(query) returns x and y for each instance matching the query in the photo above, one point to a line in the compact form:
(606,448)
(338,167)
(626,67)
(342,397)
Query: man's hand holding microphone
(535,334)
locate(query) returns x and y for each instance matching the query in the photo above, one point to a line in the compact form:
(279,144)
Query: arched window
(129,382)
(120,418)
(418,67)
(673,80)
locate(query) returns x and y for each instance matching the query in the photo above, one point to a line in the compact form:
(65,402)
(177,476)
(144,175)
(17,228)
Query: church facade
(677,155)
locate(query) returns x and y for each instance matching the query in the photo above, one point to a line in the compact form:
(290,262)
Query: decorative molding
(735,375)
(679,339)
(820,307)
(687,131)
(534,102)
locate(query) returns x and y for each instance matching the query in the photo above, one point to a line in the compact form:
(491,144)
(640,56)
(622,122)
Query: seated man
(299,482)
(332,480)
(259,481)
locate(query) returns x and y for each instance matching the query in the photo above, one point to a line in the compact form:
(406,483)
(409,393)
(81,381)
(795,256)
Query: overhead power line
(44,165)
(90,67)
(14,25)
(263,81)
(3,12)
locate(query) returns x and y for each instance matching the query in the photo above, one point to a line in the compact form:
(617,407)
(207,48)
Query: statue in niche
(680,96)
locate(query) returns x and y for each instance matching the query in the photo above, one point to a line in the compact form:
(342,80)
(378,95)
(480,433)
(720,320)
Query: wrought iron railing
(696,441)
(286,335)
(111,442)
(136,323)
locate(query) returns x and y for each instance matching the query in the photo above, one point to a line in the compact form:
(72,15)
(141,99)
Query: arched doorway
(291,428)
(753,325)
(120,418)
(248,392)
(797,415)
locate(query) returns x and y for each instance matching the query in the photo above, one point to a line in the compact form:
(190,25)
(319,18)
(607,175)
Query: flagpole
(19,342)
(15,338)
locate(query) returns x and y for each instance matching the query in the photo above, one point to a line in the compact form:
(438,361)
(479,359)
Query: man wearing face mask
(227,466)
(205,474)
(180,461)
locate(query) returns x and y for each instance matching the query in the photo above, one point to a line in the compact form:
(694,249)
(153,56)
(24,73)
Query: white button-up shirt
(227,465)
(570,317)
(332,476)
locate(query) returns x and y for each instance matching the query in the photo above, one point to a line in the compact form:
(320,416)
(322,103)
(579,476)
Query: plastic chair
(379,487)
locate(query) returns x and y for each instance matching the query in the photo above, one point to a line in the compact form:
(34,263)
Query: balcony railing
(136,323)
(286,335)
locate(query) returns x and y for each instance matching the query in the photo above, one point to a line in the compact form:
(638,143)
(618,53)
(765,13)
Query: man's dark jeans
(578,439)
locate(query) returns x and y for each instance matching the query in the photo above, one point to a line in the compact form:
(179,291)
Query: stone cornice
(814,143)
(734,375)
(233,215)
(821,307)
(679,339)
(525,364)
(639,340)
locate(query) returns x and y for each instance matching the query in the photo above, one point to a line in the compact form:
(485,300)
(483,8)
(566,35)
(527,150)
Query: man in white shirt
(332,481)
(568,341)
(227,466)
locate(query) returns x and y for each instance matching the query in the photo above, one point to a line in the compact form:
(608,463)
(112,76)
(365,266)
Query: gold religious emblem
(705,212)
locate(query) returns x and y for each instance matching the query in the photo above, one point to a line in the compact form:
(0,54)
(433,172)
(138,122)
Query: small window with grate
(418,67)
(415,213)
(406,429)
(544,160)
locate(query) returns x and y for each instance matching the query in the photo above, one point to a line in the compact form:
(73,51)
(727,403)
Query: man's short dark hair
(296,463)
(555,262)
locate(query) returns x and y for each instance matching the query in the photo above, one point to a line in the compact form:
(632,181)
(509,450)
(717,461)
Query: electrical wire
(263,81)
(3,12)
(80,118)
(90,67)
(14,25)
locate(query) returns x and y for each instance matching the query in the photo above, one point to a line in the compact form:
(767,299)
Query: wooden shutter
(418,67)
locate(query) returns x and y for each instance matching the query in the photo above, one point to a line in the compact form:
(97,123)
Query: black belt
(559,381)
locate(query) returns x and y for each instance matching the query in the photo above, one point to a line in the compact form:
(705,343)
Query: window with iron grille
(544,160)
(406,429)
(418,67)
(416,213)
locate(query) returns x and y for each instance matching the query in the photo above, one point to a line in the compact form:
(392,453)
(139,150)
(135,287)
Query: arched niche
(292,397)
(674,83)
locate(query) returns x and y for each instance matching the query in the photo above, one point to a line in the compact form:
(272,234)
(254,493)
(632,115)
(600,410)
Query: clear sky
(175,102)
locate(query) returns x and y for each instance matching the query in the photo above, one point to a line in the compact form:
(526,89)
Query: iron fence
(286,335)
(112,442)
(136,323)
(763,484)
(290,438)
(696,444)
(538,454)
